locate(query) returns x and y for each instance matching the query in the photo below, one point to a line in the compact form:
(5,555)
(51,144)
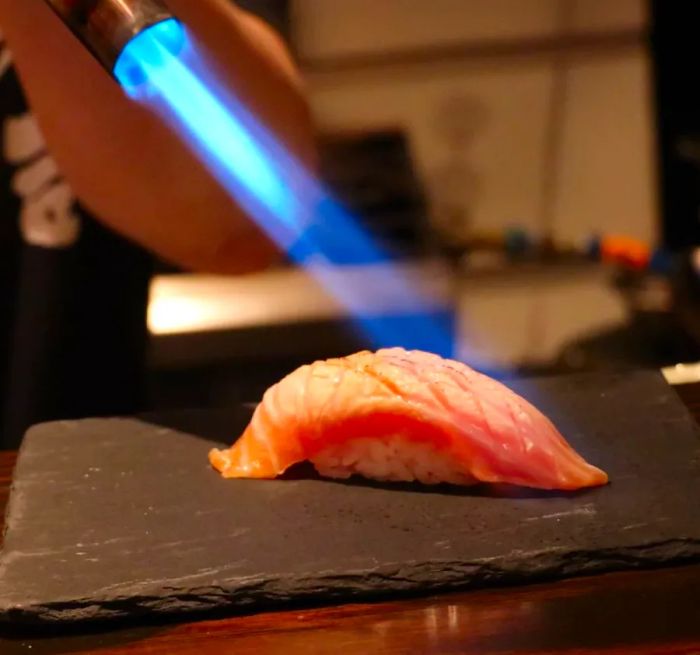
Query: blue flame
(160,68)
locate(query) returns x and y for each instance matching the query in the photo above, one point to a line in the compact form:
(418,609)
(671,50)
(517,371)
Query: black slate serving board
(122,518)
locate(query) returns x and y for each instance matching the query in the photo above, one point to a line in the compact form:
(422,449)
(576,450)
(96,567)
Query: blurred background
(532,165)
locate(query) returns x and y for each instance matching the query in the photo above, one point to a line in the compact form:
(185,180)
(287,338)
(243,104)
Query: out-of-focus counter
(220,340)
(285,312)
(517,315)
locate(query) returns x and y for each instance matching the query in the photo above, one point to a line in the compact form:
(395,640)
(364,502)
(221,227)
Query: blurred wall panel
(607,178)
(608,15)
(501,109)
(480,120)
(333,28)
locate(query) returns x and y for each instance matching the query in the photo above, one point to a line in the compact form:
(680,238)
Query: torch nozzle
(106,27)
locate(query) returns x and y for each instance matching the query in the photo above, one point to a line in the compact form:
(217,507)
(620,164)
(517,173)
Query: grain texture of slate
(125,518)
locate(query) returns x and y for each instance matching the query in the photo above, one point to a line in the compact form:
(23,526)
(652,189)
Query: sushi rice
(396,458)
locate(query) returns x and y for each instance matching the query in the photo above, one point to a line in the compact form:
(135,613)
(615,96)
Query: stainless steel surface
(682,373)
(194,303)
(106,26)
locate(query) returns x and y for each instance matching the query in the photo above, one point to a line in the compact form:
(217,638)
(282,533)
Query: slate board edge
(12,497)
(265,593)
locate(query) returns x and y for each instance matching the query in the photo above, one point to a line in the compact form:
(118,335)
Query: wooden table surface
(621,613)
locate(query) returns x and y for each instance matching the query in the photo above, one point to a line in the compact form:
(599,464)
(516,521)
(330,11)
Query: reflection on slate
(121,518)
(372,175)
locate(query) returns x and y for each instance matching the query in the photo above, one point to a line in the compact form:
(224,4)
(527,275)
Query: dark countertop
(639,612)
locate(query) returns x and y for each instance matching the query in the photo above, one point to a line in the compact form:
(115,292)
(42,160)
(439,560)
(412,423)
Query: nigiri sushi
(397,415)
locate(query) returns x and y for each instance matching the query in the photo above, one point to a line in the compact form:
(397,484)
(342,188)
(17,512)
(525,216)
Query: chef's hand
(124,164)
